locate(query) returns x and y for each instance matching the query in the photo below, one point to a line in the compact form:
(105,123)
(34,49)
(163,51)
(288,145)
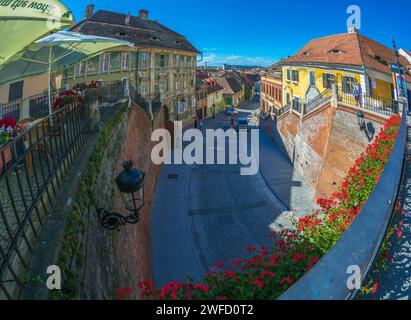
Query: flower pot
(7,157)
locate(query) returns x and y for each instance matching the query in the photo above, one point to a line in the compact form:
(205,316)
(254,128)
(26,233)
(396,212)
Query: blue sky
(261,32)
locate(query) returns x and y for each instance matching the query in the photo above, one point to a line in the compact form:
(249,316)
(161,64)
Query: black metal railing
(11,110)
(39,104)
(144,103)
(282,110)
(110,92)
(311,104)
(32,167)
(373,103)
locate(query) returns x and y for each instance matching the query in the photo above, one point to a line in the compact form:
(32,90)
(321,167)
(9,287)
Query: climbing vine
(71,253)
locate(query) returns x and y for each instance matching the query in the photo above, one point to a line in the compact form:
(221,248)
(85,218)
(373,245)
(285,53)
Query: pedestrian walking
(201,125)
(195,123)
(357,93)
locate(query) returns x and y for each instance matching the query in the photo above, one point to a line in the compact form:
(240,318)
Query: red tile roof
(349,49)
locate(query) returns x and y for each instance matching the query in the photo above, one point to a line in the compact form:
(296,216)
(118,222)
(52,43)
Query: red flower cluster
(8,122)
(67,97)
(9,129)
(74,95)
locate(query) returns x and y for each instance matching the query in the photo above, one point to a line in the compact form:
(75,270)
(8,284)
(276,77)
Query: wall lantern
(361,120)
(130,183)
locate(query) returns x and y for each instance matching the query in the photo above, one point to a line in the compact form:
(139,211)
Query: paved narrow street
(208,213)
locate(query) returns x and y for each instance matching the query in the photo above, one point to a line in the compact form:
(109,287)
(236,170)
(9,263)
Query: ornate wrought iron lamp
(130,183)
(361,120)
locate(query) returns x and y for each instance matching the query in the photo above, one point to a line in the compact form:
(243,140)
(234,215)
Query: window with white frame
(348,83)
(312,77)
(125,61)
(288,74)
(80,69)
(295,75)
(104,62)
(328,80)
(144,89)
(145,60)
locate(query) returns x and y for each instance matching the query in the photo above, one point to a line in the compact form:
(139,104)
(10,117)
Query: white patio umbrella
(23,22)
(54,53)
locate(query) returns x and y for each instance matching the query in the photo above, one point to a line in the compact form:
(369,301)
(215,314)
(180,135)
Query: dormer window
(305,54)
(335,51)
(178,42)
(380,60)
(122,34)
(155,38)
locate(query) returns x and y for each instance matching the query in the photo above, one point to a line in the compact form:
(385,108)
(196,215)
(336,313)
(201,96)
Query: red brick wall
(345,145)
(325,144)
(134,242)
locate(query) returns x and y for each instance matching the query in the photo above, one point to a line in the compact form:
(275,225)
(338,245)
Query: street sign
(394,68)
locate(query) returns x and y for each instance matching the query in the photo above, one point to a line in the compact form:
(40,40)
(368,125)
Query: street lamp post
(130,183)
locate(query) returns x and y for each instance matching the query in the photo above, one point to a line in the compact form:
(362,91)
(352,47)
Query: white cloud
(219,59)
(209,58)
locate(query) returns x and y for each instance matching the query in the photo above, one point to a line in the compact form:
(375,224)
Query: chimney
(89,11)
(143,14)
(128,17)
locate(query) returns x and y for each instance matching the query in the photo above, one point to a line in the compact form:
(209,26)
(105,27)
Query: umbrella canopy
(54,53)
(23,22)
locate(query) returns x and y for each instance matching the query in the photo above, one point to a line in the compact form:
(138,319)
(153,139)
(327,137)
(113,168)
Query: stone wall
(119,259)
(345,145)
(97,262)
(324,144)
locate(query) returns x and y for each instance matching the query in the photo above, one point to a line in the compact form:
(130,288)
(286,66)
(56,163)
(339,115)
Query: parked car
(242,123)
(231,111)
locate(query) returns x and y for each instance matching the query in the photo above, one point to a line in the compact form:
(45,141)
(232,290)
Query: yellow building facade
(345,60)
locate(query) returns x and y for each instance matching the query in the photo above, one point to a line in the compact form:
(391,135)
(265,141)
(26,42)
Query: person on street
(357,93)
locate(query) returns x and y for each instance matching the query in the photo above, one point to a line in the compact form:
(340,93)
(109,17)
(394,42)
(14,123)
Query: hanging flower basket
(8,130)
(66,98)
